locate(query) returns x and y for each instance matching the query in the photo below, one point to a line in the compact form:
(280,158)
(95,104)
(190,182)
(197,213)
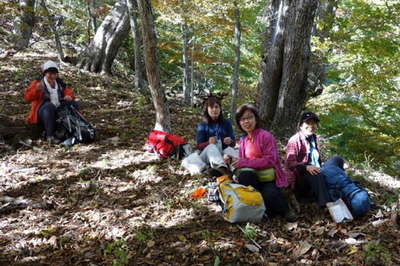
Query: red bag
(162,143)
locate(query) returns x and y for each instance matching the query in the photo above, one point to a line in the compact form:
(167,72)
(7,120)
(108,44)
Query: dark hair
(211,101)
(306,116)
(51,70)
(242,109)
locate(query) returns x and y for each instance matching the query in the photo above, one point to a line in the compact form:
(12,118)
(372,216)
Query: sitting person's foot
(290,216)
(224,171)
(53,140)
(212,172)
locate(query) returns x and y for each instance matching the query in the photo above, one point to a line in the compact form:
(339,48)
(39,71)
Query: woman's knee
(212,147)
(47,108)
(248,178)
(270,190)
(360,203)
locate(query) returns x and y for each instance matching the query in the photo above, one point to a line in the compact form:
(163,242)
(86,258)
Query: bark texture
(24,23)
(53,26)
(326,13)
(285,64)
(235,73)
(100,54)
(163,121)
(140,80)
(187,75)
(91,7)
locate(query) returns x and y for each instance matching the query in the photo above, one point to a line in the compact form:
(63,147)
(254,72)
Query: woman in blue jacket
(213,135)
(340,186)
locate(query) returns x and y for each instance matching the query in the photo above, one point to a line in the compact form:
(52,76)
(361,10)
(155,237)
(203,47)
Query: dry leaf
(350,241)
(302,249)
(252,248)
(53,241)
(291,226)
(150,243)
(379,222)
(352,250)
(182,238)
(319,231)
(379,214)
(332,232)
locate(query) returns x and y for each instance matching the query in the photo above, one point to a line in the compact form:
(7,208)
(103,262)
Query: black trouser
(274,201)
(308,185)
(47,115)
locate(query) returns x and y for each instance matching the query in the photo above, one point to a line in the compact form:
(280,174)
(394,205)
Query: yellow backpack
(241,203)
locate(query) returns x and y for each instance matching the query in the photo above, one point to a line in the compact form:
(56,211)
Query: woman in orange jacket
(45,95)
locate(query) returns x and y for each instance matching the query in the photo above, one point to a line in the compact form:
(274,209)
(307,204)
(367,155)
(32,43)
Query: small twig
(97,177)
(252,240)
(25,144)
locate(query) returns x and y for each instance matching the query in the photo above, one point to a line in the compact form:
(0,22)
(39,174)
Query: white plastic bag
(193,163)
(234,154)
(339,211)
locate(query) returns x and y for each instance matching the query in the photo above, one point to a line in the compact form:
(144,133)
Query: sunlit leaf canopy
(363,78)
(211,26)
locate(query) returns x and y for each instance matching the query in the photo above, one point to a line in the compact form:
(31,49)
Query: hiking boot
(290,216)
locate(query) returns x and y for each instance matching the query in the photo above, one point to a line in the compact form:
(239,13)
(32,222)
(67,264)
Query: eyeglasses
(248,118)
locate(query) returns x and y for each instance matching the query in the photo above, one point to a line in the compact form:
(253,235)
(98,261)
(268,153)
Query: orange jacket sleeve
(31,93)
(68,92)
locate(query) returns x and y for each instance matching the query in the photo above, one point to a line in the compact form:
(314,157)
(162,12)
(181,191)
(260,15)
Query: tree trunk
(163,121)
(91,5)
(187,78)
(192,80)
(285,65)
(235,73)
(100,54)
(140,80)
(24,23)
(319,61)
(52,24)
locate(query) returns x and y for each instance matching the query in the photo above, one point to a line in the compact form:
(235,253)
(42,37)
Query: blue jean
(360,203)
(47,115)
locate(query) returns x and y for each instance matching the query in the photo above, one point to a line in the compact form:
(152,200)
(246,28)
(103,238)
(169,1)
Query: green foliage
(360,111)
(391,197)
(168,204)
(210,40)
(143,236)
(217,261)
(84,171)
(119,250)
(207,235)
(250,232)
(376,253)
(353,133)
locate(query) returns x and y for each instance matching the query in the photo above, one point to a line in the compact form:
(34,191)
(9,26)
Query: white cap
(49,64)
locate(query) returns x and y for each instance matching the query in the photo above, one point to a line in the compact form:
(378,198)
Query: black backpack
(72,125)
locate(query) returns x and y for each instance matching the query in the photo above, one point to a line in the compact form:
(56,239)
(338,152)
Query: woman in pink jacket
(259,163)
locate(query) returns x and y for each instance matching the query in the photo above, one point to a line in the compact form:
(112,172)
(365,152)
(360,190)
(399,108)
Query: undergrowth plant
(119,249)
(375,253)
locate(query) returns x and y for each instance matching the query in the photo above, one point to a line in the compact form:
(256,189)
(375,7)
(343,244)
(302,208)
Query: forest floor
(111,202)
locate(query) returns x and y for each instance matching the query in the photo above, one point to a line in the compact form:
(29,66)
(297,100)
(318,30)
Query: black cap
(307,116)
(51,70)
